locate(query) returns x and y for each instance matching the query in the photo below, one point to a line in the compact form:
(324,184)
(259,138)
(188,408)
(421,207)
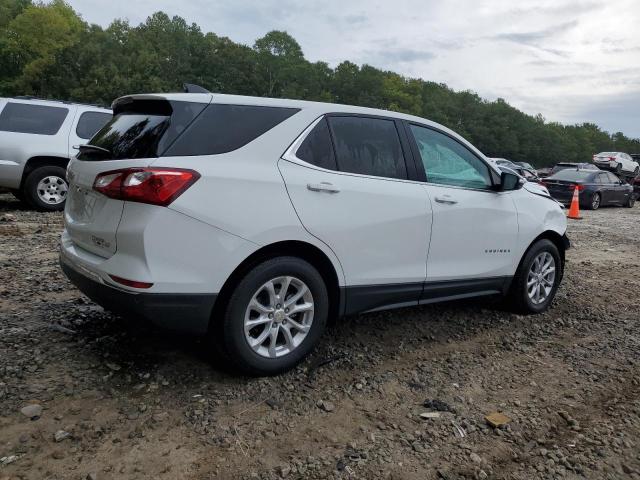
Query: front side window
(447,162)
(317,149)
(90,122)
(613,178)
(27,118)
(368,146)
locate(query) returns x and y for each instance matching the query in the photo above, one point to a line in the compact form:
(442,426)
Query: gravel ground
(400,395)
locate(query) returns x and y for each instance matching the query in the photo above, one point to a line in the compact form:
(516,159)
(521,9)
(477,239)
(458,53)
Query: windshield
(572,175)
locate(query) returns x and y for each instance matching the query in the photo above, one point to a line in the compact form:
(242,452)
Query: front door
(475,228)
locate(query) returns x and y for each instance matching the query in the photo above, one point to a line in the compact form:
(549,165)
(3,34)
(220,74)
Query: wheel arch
(553,236)
(296,248)
(42,161)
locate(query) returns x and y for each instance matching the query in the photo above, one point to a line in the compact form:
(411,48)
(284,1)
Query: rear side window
(90,122)
(317,149)
(368,146)
(27,118)
(223,128)
(141,129)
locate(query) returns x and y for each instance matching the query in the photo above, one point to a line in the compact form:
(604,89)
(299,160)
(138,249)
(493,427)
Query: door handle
(323,187)
(446,199)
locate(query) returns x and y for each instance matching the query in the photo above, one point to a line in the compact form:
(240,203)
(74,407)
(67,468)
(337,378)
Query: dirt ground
(122,400)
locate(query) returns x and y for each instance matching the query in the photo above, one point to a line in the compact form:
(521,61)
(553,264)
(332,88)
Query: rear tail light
(611,159)
(156,186)
(131,283)
(579,187)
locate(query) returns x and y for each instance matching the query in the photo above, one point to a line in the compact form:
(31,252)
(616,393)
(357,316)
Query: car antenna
(193,88)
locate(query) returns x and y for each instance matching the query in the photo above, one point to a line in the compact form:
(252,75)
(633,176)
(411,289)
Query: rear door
(355,195)
(138,133)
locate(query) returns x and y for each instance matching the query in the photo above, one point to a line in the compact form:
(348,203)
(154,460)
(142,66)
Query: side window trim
(290,153)
(292,150)
(421,171)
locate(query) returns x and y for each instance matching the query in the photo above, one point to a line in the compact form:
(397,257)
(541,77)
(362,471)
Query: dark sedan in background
(597,188)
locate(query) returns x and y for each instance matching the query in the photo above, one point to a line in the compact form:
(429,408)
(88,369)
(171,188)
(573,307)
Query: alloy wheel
(278,317)
(541,278)
(52,190)
(595,203)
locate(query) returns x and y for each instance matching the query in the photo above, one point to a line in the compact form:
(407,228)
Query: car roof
(319,108)
(52,103)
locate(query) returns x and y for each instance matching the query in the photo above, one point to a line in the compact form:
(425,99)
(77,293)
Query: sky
(572,61)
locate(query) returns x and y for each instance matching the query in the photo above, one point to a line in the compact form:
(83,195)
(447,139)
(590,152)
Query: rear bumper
(189,313)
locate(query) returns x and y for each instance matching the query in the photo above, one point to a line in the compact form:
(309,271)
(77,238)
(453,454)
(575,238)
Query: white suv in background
(36,142)
(618,162)
(256,220)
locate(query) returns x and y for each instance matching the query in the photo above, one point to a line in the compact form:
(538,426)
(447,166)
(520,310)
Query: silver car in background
(36,142)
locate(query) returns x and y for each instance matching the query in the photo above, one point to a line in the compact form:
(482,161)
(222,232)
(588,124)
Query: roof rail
(193,88)
(65,102)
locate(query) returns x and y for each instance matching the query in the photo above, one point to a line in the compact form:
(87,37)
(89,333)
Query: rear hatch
(142,128)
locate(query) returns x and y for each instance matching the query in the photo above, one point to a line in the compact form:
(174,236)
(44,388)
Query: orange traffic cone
(574,209)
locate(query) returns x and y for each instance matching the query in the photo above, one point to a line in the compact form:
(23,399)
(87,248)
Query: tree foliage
(47,50)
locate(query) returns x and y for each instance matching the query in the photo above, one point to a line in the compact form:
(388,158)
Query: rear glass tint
(90,122)
(27,118)
(142,129)
(223,128)
(317,148)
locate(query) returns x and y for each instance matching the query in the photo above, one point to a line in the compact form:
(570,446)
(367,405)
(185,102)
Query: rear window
(223,128)
(368,146)
(27,118)
(571,175)
(317,148)
(90,122)
(141,129)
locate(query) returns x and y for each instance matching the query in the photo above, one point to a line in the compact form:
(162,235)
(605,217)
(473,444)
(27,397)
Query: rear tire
(294,334)
(46,188)
(526,281)
(596,200)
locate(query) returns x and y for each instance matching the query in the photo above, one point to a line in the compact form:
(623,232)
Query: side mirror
(510,181)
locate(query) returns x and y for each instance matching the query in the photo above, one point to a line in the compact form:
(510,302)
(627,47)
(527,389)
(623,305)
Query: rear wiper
(95,148)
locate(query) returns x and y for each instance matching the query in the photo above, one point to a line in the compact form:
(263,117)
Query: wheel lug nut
(271,315)
(286,310)
(284,321)
(278,306)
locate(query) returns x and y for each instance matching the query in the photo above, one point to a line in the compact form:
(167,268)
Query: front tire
(275,316)
(537,278)
(630,201)
(46,188)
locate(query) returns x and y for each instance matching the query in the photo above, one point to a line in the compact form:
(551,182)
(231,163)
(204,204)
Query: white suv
(618,162)
(36,142)
(256,220)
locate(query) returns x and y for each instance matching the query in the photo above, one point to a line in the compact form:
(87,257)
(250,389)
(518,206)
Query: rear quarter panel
(243,193)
